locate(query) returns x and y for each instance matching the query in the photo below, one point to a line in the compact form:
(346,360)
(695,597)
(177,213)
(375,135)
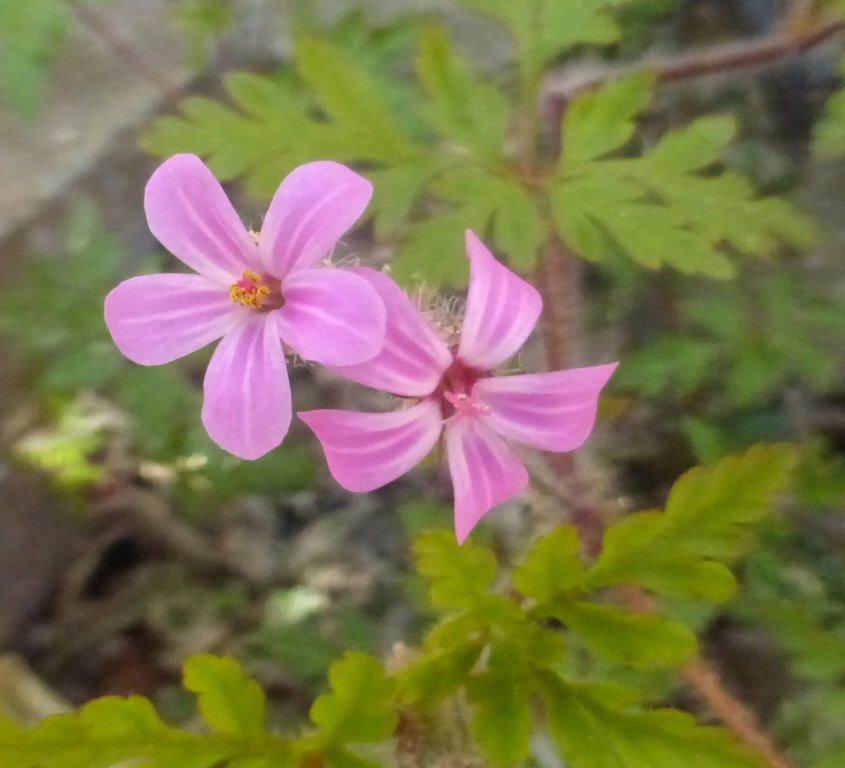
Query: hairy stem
(743,55)
(707,683)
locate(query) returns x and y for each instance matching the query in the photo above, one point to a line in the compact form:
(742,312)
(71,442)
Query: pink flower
(253,291)
(457,393)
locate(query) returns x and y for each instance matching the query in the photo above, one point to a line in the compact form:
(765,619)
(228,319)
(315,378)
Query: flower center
(255,292)
(456,392)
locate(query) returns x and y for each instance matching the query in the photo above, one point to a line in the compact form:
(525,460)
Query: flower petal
(501,311)
(310,211)
(413,358)
(247,405)
(155,319)
(484,472)
(189,213)
(331,316)
(551,411)
(368,450)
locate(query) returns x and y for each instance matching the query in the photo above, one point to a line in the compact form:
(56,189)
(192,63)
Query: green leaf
(459,577)
(435,252)
(596,731)
(742,345)
(602,121)
(659,208)
(230,702)
(670,364)
(111,731)
(710,516)
(472,113)
(437,673)
(694,147)
(517,228)
(552,567)
(501,719)
(351,98)
(395,190)
(638,640)
(358,708)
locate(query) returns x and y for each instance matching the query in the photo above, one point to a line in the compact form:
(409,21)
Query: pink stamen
(465,405)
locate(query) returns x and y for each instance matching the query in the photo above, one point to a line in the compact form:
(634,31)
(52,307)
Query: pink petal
(413,358)
(331,316)
(551,411)
(155,319)
(368,450)
(484,472)
(310,211)
(247,405)
(189,213)
(501,311)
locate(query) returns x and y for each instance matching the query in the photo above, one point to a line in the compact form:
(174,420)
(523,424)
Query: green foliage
(66,449)
(793,587)
(503,653)
(229,701)
(597,728)
(461,107)
(31,34)
(58,332)
(636,640)
(708,520)
(660,208)
(507,656)
(445,147)
(744,344)
(112,731)
(458,577)
(358,708)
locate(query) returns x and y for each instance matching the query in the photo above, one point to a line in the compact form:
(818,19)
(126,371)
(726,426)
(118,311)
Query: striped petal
(368,450)
(247,405)
(190,215)
(331,316)
(413,358)
(551,411)
(502,310)
(155,319)
(310,211)
(484,472)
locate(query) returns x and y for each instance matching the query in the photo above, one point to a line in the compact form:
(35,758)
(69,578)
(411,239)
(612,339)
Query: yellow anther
(249,291)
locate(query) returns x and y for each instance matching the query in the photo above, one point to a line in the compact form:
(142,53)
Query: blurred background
(128,541)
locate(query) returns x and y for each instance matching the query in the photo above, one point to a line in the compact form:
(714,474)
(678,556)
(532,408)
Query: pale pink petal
(551,411)
(501,311)
(413,358)
(484,472)
(331,316)
(190,214)
(247,405)
(368,450)
(154,319)
(310,211)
